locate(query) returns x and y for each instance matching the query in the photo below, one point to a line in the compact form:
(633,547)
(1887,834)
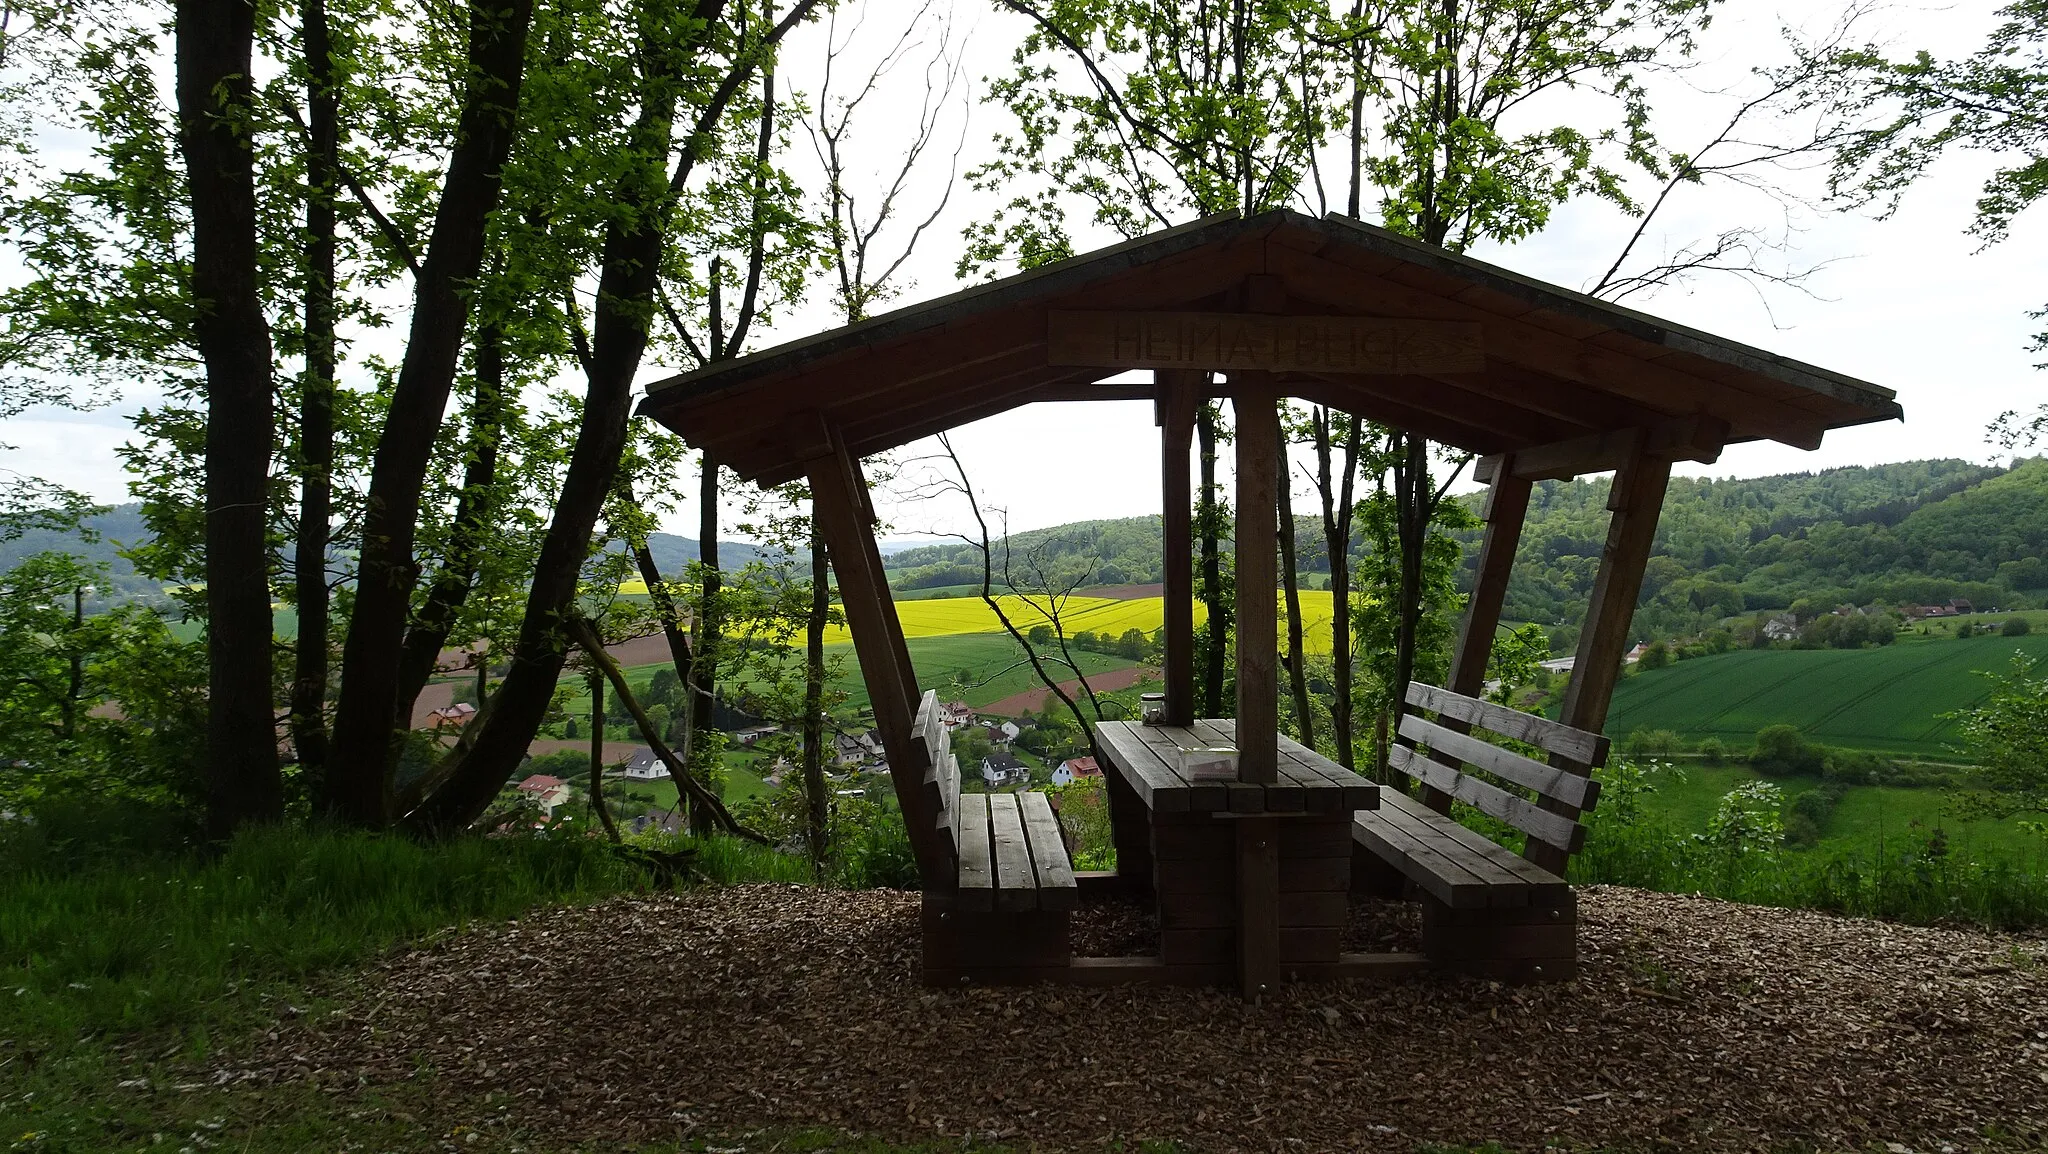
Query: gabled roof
(1558,365)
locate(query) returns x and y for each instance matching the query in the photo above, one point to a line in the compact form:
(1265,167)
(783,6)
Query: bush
(1651,745)
(2015,627)
(1713,752)
(1781,751)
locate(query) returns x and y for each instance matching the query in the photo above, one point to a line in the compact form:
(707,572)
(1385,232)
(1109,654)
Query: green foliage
(2007,736)
(1656,655)
(2015,627)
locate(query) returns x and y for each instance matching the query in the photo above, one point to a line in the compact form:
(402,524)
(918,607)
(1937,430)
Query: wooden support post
(1258,479)
(1180,394)
(1507,507)
(1636,501)
(846,520)
(1258,905)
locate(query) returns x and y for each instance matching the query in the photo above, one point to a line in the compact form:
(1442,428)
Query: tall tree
(215,44)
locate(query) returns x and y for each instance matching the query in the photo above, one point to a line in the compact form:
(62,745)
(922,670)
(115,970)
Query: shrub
(1781,750)
(1713,752)
(2015,627)
(1651,745)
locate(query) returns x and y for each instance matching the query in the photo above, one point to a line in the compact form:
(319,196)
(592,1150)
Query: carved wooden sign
(1224,341)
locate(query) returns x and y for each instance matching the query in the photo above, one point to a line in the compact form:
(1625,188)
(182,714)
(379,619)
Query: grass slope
(1889,700)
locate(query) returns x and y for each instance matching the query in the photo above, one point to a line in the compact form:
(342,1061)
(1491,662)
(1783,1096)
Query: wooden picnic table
(1252,880)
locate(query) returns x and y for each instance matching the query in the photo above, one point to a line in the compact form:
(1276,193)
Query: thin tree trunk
(704,687)
(1337,493)
(74,690)
(469,535)
(1290,583)
(316,407)
(364,738)
(215,41)
(1412,510)
(597,805)
(1208,520)
(814,705)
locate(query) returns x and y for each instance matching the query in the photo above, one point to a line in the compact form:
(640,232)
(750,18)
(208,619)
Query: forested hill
(120,527)
(1914,531)
(1917,531)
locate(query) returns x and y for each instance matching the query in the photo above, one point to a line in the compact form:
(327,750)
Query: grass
(1887,700)
(122,971)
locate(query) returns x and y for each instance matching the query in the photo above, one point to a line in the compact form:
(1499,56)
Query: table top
(1147,756)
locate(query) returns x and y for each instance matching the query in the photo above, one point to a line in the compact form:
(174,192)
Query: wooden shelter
(1538,381)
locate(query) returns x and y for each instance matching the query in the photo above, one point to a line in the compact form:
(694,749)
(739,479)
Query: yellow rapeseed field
(952,616)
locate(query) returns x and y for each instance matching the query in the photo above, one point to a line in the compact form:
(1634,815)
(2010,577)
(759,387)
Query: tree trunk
(1336,493)
(704,688)
(316,406)
(1209,522)
(1297,671)
(470,533)
(597,806)
(1412,511)
(819,816)
(364,739)
(215,93)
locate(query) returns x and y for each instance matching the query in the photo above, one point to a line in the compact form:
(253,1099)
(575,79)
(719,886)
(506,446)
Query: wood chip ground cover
(1694,1023)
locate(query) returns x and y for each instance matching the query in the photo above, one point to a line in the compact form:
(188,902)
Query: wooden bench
(1486,909)
(1002,914)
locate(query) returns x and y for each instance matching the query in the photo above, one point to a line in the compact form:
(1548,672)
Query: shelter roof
(1548,366)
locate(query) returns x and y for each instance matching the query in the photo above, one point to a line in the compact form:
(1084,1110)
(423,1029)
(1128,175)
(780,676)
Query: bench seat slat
(1056,887)
(1420,861)
(1574,789)
(977,871)
(1016,883)
(1516,880)
(1553,829)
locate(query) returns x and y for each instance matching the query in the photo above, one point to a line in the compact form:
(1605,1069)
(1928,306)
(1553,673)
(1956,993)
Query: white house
(1000,770)
(1783,627)
(956,714)
(546,792)
(643,766)
(754,733)
(1076,769)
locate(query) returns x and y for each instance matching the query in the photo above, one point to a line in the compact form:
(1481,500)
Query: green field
(1887,700)
(1869,818)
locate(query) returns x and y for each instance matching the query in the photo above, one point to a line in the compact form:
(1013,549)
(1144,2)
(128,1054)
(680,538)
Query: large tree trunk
(316,403)
(1337,494)
(1209,523)
(364,738)
(215,93)
(817,800)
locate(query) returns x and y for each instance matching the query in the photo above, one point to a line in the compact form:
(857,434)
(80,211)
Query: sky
(1906,302)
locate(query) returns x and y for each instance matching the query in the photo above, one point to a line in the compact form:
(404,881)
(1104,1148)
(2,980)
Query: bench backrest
(941,775)
(1545,799)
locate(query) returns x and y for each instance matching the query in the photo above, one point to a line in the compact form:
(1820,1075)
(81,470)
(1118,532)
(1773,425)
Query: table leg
(1258,905)
(1130,825)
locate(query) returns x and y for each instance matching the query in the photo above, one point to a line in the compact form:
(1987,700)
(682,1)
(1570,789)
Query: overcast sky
(1906,302)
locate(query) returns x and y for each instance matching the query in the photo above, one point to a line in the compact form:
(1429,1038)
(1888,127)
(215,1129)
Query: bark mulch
(1694,1023)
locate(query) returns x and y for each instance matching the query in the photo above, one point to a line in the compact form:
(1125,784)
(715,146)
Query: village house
(754,733)
(847,751)
(643,765)
(1783,627)
(1076,769)
(545,791)
(453,716)
(956,714)
(1001,770)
